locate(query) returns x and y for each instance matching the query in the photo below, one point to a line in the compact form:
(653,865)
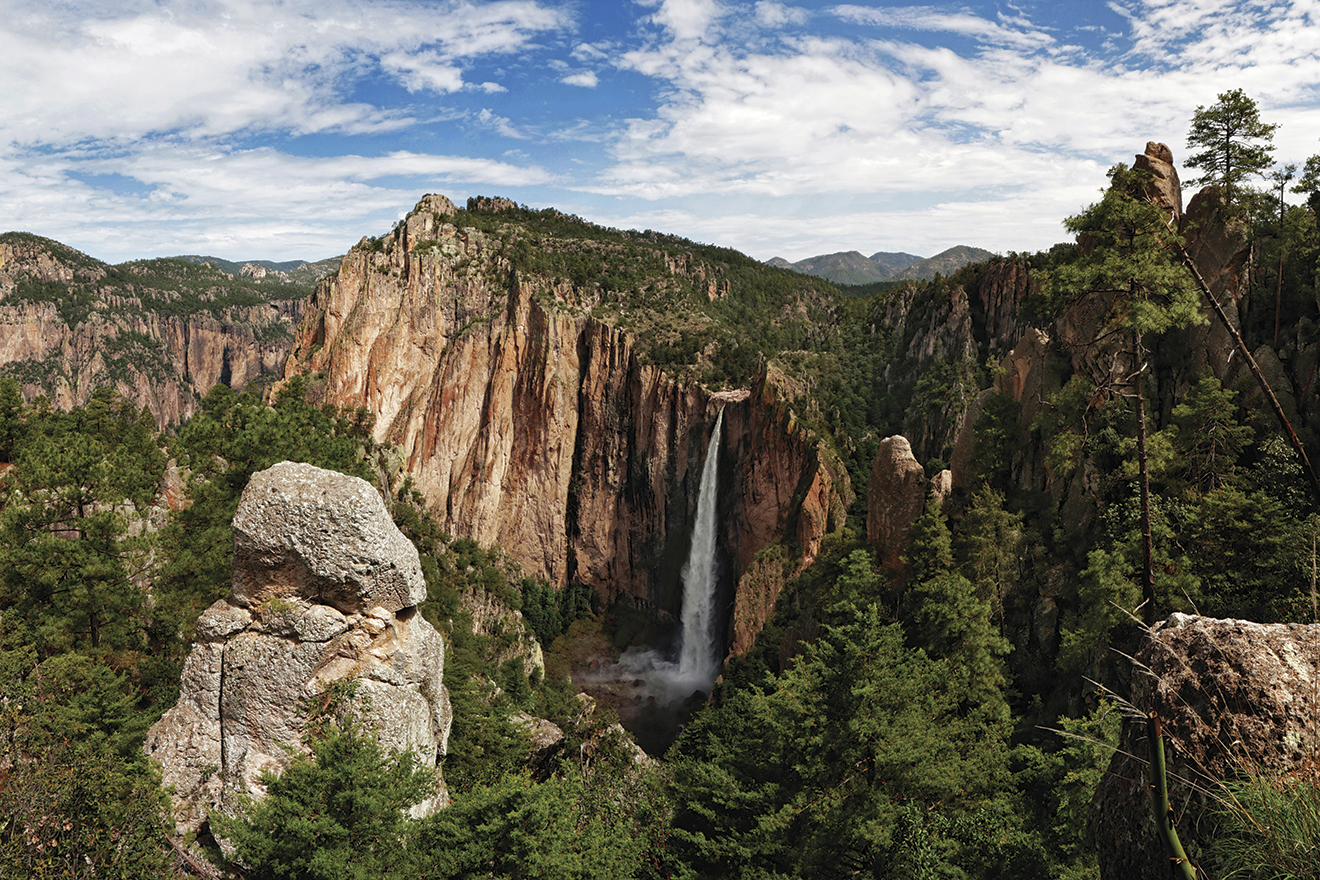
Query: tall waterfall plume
(698,661)
(698,664)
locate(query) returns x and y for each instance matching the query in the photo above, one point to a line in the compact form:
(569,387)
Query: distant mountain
(291,271)
(944,263)
(893,263)
(847,267)
(851,267)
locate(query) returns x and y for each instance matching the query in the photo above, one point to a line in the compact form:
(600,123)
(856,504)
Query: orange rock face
(529,423)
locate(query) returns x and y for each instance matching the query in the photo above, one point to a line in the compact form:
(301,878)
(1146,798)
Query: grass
(1268,827)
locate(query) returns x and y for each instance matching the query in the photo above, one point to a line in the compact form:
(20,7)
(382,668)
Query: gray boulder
(325,589)
(1232,695)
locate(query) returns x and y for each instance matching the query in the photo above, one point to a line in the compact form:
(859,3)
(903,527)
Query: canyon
(528,421)
(160,332)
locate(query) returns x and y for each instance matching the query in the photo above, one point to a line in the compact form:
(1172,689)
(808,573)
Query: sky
(252,129)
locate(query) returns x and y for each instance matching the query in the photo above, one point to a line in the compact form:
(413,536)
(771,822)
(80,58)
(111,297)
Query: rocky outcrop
(529,422)
(896,499)
(1233,696)
(160,358)
(491,617)
(325,590)
(1165,188)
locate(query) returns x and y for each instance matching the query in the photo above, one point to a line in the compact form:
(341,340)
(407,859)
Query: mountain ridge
(854,268)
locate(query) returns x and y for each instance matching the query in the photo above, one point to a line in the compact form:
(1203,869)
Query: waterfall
(698,662)
(662,680)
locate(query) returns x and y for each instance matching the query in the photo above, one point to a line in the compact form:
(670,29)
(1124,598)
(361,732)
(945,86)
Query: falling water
(698,663)
(661,679)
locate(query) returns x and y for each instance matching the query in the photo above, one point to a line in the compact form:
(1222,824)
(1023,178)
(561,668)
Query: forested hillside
(1090,451)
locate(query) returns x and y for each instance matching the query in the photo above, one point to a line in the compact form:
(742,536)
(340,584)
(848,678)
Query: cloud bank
(261,129)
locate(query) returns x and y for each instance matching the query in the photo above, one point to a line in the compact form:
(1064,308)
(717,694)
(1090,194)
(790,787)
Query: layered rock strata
(1234,696)
(325,590)
(530,423)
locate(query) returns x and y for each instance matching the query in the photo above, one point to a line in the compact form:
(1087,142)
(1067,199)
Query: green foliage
(598,825)
(66,816)
(550,612)
(336,814)
(989,545)
(1248,553)
(929,552)
(1107,596)
(1126,265)
(1207,439)
(78,798)
(1232,143)
(807,775)
(484,744)
(68,566)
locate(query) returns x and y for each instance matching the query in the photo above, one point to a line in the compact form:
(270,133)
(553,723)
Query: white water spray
(698,661)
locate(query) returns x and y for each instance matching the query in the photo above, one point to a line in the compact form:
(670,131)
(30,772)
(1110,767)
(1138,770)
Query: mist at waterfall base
(669,686)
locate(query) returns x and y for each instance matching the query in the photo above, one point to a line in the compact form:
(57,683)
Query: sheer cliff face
(529,423)
(161,360)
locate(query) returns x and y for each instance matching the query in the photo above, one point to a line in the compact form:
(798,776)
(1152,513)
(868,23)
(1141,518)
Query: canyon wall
(528,421)
(163,359)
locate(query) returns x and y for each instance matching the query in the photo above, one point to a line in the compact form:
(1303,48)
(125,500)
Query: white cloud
(587,79)
(248,202)
(772,14)
(205,69)
(1006,138)
(929,18)
(689,19)
(423,70)
(501,125)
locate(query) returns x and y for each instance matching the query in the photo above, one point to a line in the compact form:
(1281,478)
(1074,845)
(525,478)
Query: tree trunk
(1143,464)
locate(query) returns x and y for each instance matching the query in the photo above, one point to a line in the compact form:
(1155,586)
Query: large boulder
(1232,695)
(896,498)
(325,590)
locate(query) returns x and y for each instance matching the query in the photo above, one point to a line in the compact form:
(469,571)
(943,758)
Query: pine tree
(336,814)
(1233,143)
(1127,270)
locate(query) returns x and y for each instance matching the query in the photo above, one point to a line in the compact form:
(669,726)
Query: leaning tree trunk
(1241,347)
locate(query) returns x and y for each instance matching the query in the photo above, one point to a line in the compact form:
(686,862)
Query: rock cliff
(896,498)
(530,419)
(1233,695)
(161,334)
(325,590)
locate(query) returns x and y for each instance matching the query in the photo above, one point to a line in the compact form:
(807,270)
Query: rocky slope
(531,418)
(161,332)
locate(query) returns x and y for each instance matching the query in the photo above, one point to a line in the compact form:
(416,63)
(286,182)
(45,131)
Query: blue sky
(283,130)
